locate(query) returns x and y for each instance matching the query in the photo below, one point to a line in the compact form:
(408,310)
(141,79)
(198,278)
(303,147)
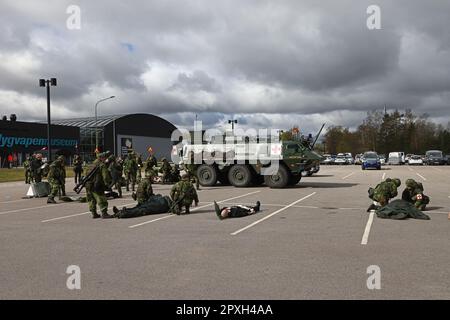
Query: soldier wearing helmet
(413,193)
(383,192)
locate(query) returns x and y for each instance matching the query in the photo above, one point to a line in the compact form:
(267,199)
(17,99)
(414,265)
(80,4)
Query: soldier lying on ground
(413,193)
(236,211)
(155,204)
(383,192)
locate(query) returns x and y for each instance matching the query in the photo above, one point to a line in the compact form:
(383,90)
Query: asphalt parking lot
(312,241)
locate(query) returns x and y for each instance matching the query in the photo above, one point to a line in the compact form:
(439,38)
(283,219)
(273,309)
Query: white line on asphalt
(77,214)
(27,209)
(272,214)
(11,201)
(365,237)
(348,175)
(194,209)
(384,175)
(425,179)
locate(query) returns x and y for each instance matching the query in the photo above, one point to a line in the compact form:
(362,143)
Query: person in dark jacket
(236,211)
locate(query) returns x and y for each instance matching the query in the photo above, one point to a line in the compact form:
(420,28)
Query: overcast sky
(265,63)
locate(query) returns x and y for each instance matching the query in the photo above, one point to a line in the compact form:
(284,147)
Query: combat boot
(105,214)
(51,200)
(187,211)
(95,215)
(133,195)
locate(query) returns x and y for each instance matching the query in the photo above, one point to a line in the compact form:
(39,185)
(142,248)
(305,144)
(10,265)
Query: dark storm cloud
(305,61)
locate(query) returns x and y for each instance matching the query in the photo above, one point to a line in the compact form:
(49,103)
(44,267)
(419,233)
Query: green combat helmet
(410,183)
(397,182)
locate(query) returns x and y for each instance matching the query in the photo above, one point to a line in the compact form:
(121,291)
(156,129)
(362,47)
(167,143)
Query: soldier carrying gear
(35,168)
(144,190)
(182,194)
(413,193)
(383,192)
(191,169)
(115,168)
(96,187)
(55,179)
(149,165)
(166,170)
(62,186)
(77,168)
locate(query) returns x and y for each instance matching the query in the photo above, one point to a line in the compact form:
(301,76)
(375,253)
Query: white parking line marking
(194,209)
(27,209)
(365,237)
(77,214)
(425,179)
(11,201)
(348,175)
(272,214)
(384,175)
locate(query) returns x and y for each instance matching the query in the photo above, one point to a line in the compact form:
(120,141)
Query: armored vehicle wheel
(207,175)
(279,179)
(240,176)
(295,179)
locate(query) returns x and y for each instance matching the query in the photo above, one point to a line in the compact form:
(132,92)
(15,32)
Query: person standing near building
(10,161)
(166,170)
(191,169)
(63,178)
(96,187)
(36,164)
(130,168)
(139,168)
(77,168)
(27,168)
(116,170)
(55,178)
(150,164)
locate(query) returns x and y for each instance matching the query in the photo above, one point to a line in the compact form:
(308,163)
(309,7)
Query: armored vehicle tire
(278,180)
(207,175)
(240,176)
(295,179)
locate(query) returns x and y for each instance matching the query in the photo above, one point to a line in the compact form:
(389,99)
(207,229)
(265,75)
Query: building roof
(88,122)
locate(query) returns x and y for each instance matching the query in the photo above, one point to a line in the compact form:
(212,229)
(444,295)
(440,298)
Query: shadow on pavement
(302,185)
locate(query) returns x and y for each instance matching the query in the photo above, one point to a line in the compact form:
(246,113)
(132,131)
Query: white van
(396,158)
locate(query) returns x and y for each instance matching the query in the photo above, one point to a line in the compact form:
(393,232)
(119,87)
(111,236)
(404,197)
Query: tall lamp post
(47,83)
(232,124)
(96,119)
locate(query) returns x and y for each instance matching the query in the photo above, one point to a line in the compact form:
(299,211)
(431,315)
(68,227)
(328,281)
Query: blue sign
(10,142)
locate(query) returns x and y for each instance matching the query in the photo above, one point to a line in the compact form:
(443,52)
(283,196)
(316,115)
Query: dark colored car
(371,160)
(435,157)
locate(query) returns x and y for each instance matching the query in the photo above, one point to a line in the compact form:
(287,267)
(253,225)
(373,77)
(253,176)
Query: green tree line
(389,132)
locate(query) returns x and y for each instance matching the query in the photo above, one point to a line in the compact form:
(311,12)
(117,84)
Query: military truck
(244,163)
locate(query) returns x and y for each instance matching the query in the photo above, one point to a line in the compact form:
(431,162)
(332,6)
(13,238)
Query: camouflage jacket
(144,190)
(184,191)
(150,163)
(101,181)
(56,173)
(386,189)
(165,168)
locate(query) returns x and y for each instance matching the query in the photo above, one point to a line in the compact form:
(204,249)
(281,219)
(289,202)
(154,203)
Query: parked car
(434,157)
(448,159)
(358,160)
(371,160)
(340,159)
(407,157)
(382,158)
(415,160)
(349,158)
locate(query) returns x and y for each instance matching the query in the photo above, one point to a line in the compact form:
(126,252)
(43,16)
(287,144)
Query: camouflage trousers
(54,187)
(95,199)
(131,177)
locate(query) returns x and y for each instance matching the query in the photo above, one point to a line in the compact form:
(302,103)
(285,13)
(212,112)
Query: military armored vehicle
(244,163)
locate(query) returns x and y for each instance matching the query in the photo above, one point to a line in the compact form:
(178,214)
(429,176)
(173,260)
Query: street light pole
(96,119)
(47,83)
(232,124)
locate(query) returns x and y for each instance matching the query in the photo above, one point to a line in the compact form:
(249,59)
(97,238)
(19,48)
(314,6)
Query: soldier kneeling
(413,193)
(236,211)
(383,192)
(183,194)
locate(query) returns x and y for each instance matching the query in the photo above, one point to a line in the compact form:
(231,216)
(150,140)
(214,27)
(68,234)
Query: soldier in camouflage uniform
(35,167)
(413,193)
(383,192)
(176,173)
(62,187)
(182,194)
(191,169)
(130,168)
(55,178)
(116,169)
(149,165)
(166,170)
(77,167)
(144,190)
(96,187)
(27,168)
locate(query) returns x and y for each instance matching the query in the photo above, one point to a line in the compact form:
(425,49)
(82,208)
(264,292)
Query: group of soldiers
(33,168)
(387,190)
